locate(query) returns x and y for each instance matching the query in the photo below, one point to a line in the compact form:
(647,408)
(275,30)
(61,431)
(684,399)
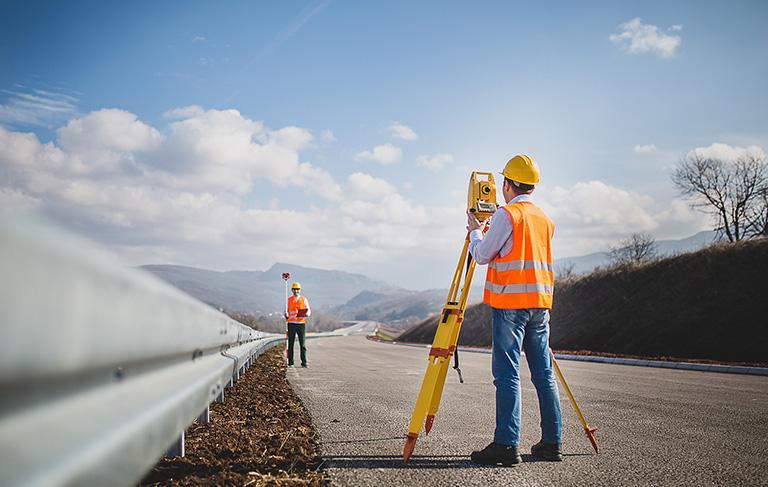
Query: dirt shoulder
(260,435)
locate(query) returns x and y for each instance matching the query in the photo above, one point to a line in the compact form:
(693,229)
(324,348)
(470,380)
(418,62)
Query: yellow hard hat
(296,285)
(523,169)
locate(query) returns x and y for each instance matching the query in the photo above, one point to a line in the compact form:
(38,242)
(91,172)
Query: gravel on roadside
(260,435)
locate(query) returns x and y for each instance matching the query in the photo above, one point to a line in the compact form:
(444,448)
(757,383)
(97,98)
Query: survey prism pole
(286,276)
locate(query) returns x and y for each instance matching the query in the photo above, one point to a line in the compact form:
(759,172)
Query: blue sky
(608,96)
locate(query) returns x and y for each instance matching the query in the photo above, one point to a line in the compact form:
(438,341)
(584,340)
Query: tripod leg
(443,346)
(422,406)
(590,432)
(437,393)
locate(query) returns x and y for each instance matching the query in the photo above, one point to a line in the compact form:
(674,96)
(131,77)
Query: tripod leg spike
(428,424)
(591,434)
(410,444)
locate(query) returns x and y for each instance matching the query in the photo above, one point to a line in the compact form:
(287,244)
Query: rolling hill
(708,304)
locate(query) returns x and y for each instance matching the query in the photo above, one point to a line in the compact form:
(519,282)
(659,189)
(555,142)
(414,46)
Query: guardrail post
(177,448)
(205,416)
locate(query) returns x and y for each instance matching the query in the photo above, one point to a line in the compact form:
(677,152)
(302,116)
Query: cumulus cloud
(185,195)
(636,37)
(108,129)
(401,131)
(645,149)
(600,208)
(383,154)
(366,187)
(590,216)
(727,152)
(184,112)
(434,162)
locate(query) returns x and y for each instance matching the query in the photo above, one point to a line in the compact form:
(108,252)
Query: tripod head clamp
(481,196)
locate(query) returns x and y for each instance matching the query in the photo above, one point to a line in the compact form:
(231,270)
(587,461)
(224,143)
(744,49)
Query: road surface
(655,426)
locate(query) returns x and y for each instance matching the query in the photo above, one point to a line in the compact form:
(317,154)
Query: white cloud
(184,195)
(598,208)
(366,187)
(434,162)
(184,112)
(108,129)
(676,28)
(636,37)
(591,216)
(645,149)
(294,138)
(199,39)
(727,152)
(402,132)
(383,154)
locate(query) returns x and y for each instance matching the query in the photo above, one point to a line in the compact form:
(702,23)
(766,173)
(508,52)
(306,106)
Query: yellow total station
(481,200)
(481,196)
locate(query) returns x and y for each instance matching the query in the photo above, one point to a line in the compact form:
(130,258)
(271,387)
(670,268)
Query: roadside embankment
(707,305)
(260,435)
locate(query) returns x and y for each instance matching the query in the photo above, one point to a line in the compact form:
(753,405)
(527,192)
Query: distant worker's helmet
(296,285)
(523,169)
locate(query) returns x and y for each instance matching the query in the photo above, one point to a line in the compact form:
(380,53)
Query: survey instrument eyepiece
(481,197)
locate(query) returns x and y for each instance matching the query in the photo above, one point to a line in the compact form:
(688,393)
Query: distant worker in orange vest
(296,318)
(519,286)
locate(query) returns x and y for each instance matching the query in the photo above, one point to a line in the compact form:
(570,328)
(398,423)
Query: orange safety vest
(524,278)
(294,305)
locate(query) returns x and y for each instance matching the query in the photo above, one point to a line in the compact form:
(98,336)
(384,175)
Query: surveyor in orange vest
(297,312)
(519,285)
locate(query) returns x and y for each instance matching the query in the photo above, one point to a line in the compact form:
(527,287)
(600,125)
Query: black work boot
(551,452)
(497,454)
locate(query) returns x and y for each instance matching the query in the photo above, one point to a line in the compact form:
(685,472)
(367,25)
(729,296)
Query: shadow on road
(366,440)
(396,461)
(416,462)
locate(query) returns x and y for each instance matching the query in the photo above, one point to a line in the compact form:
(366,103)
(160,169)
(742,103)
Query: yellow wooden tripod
(443,348)
(481,201)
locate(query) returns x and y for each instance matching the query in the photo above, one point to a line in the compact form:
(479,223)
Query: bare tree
(636,249)
(758,219)
(733,192)
(565,272)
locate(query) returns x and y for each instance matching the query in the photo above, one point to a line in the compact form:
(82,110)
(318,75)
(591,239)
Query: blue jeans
(526,329)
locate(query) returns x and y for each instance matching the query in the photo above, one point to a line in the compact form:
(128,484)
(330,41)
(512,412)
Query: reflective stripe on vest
(523,278)
(520,264)
(519,288)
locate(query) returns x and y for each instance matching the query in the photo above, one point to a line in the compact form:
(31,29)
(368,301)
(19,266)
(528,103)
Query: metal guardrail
(102,366)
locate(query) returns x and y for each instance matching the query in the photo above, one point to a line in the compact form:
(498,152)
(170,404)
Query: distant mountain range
(349,296)
(264,291)
(665,248)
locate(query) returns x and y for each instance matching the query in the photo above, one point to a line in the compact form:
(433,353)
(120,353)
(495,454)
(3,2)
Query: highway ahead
(656,426)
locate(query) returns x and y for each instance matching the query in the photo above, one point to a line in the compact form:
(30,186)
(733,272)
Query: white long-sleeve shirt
(498,239)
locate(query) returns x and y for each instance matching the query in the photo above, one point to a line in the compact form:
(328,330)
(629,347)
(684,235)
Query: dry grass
(708,305)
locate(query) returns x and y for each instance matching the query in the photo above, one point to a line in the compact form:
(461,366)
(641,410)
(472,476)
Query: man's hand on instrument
(474,224)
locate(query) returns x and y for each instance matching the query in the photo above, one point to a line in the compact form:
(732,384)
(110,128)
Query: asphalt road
(655,426)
